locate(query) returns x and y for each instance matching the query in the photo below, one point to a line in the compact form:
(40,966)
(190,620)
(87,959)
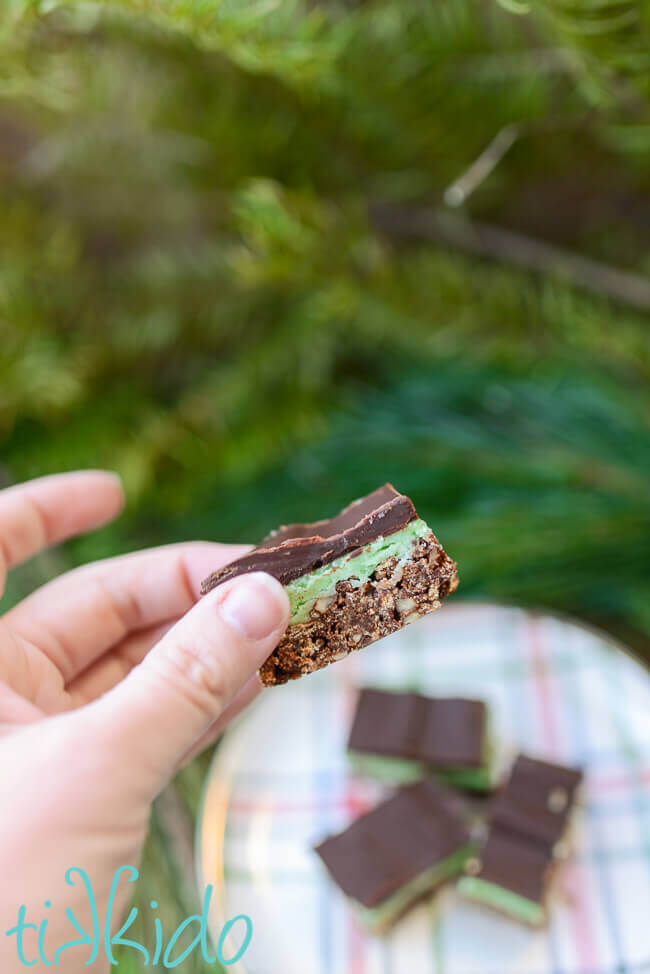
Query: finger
(43,512)
(15,710)
(78,617)
(249,692)
(111,668)
(26,672)
(152,719)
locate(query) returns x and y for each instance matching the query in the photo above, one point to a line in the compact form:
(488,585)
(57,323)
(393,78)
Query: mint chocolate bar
(401,737)
(528,837)
(363,574)
(399,852)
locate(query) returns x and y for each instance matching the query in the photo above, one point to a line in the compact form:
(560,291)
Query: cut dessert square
(527,839)
(365,573)
(512,875)
(399,852)
(401,737)
(538,800)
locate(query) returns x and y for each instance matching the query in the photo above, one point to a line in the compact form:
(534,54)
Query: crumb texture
(394,595)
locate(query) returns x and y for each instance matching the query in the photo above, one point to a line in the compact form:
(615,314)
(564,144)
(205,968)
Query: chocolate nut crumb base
(393,596)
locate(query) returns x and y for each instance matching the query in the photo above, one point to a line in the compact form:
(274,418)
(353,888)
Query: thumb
(151,719)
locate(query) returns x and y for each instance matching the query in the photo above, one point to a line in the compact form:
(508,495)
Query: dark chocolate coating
(525,804)
(525,824)
(383,850)
(445,732)
(510,861)
(296,549)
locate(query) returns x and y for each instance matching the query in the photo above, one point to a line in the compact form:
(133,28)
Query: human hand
(111,677)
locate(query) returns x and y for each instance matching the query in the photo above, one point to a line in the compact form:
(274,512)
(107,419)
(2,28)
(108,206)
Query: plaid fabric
(280,784)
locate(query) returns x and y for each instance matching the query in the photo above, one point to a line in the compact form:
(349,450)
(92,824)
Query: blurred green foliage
(192,290)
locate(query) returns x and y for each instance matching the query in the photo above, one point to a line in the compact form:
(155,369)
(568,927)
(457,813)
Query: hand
(110,678)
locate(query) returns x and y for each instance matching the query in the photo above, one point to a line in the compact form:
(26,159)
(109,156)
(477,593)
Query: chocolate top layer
(537,800)
(447,732)
(386,848)
(296,549)
(510,861)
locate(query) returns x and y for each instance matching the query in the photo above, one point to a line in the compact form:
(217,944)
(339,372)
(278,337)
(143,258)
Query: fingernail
(255,606)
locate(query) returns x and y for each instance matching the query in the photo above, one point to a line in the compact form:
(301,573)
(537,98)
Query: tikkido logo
(31,946)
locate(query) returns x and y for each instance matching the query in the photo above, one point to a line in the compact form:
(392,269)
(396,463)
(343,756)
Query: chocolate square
(537,800)
(383,850)
(386,723)
(453,732)
(444,732)
(512,862)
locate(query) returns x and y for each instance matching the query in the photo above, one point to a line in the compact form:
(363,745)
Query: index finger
(42,512)
(77,617)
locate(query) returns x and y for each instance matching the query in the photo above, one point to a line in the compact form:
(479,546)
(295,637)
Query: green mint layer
(400,771)
(470,779)
(383,915)
(502,899)
(475,779)
(356,566)
(393,771)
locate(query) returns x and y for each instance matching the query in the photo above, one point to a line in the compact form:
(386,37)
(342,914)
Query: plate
(279,784)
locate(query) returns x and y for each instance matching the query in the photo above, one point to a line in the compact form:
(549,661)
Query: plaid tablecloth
(280,783)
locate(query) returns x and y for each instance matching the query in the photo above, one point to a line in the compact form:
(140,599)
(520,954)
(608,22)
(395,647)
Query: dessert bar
(399,852)
(401,737)
(365,573)
(527,838)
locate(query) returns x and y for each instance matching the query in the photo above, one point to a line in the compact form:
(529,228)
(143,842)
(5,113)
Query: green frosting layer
(356,567)
(471,779)
(382,916)
(394,771)
(399,771)
(502,899)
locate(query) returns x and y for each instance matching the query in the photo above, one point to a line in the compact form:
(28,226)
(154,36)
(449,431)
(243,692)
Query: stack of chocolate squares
(425,834)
